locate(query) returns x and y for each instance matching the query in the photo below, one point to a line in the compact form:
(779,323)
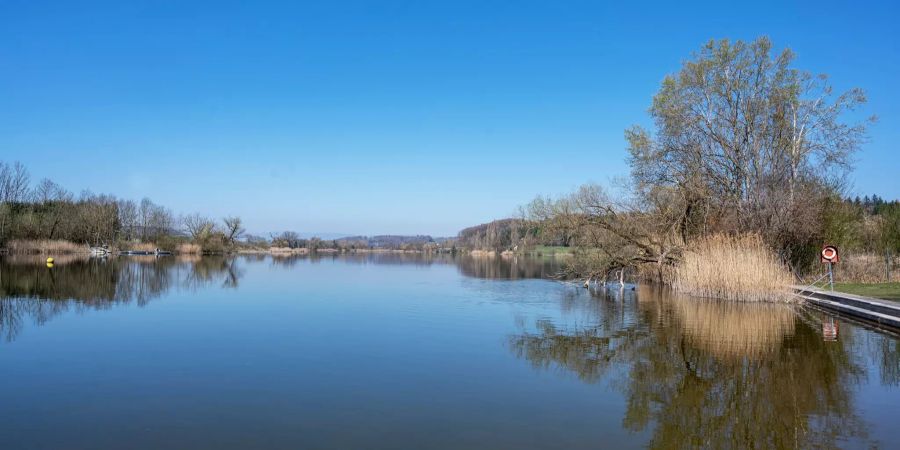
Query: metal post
(887,265)
(831,275)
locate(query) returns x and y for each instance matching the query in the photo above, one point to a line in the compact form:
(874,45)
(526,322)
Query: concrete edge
(881,312)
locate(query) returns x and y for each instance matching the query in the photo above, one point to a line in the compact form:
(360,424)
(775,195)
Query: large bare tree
(198,226)
(234,229)
(748,141)
(14,182)
(743,142)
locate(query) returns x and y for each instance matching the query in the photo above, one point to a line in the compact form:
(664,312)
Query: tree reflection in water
(29,290)
(486,267)
(694,373)
(508,267)
(710,374)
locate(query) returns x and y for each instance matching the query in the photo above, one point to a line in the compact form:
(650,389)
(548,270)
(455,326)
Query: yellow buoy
(49,260)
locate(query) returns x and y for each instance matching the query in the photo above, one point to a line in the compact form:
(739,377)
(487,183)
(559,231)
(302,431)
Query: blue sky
(384,117)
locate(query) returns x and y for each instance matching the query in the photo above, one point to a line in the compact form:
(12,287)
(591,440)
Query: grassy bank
(886,291)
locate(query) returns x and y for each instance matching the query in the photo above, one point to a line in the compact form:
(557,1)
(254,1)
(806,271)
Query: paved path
(882,312)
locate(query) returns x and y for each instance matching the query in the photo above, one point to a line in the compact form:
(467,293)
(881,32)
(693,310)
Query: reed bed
(188,249)
(736,268)
(288,250)
(45,246)
(140,247)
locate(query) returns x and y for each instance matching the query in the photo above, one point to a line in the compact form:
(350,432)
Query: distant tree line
(868,225)
(291,239)
(47,211)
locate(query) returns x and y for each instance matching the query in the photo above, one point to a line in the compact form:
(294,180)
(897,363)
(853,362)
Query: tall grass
(737,268)
(140,247)
(288,251)
(45,246)
(188,249)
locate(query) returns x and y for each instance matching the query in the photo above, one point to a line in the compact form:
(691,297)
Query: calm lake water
(408,351)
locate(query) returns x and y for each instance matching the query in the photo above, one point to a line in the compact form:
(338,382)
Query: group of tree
(867,226)
(212,235)
(498,235)
(47,211)
(744,143)
(291,239)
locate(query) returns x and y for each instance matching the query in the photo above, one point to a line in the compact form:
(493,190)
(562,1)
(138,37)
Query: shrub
(864,267)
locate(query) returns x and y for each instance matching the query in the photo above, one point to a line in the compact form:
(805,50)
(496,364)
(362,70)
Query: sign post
(831,275)
(830,257)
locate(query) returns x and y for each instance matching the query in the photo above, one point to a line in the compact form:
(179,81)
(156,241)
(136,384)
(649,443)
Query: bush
(865,267)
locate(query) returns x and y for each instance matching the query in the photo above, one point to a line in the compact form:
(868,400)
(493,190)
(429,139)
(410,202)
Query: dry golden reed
(45,246)
(188,249)
(737,268)
(140,247)
(288,250)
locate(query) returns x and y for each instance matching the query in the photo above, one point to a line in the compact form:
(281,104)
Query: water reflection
(31,291)
(692,373)
(887,352)
(710,374)
(731,330)
(508,268)
(494,268)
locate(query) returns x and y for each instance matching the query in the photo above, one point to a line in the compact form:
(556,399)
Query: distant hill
(389,241)
(323,236)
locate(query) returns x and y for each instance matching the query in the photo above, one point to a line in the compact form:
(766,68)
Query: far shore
(61,247)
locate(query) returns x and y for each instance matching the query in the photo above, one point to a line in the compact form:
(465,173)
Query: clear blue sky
(384,117)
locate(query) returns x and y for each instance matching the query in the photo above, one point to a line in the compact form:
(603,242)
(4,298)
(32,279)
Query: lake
(414,351)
